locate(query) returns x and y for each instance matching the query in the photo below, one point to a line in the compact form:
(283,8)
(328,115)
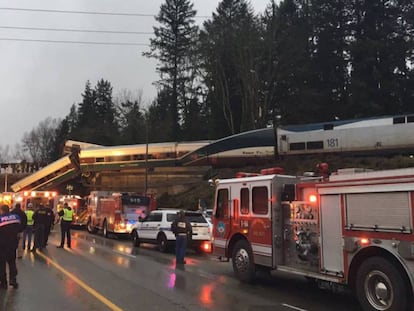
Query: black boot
(14,283)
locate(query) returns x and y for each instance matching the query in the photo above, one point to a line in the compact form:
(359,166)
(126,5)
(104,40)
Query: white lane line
(293,307)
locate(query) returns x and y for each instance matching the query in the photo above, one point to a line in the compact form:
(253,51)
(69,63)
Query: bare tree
(4,154)
(38,143)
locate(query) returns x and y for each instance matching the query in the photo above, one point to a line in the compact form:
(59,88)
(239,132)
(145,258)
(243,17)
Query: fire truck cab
(115,212)
(354,228)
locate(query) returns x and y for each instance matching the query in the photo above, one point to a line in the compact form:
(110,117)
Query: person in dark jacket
(181,227)
(41,221)
(23,222)
(66,218)
(49,225)
(9,228)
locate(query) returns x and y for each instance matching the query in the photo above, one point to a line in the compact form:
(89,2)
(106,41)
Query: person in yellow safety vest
(28,231)
(66,218)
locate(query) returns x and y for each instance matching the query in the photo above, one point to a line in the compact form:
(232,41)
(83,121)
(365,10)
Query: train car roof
(338,124)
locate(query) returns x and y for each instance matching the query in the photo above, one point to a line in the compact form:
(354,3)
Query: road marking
(293,307)
(82,284)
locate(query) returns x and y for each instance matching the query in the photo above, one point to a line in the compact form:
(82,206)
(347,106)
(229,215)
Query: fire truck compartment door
(331,234)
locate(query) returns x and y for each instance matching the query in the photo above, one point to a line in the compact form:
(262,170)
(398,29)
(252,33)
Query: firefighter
(10,226)
(28,231)
(23,222)
(181,227)
(66,218)
(41,221)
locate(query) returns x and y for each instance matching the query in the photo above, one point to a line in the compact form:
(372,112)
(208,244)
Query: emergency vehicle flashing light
(206,247)
(313,198)
(33,194)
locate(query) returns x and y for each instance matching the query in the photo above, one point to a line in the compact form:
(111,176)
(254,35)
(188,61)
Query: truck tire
(380,286)
(135,238)
(89,227)
(243,265)
(162,243)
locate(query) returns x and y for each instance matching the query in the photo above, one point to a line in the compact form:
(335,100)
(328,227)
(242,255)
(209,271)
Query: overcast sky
(43,79)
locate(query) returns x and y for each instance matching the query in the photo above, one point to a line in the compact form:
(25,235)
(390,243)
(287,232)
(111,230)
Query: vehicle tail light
(206,247)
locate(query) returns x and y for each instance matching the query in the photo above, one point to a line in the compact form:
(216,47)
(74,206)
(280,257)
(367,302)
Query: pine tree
(230,49)
(381,36)
(132,122)
(173,46)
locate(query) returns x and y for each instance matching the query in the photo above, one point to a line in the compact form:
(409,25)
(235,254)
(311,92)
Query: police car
(156,229)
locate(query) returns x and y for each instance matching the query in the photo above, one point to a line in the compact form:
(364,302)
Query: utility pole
(146,155)
(5,181)
(276,124)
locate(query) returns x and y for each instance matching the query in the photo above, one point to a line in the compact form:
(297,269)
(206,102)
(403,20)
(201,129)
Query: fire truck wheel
(162,243)
(135,238)
(380,286)
(243,264)
(89,227)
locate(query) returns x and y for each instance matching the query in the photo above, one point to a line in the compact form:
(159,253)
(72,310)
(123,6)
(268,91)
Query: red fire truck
(353,228)
(115,212)
(77,204)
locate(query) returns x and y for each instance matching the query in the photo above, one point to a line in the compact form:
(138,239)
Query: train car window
(138,157)
(244,201)
(328,127)
(283,137)
(260,201)
(399,120)
(410,119)
(100,160)
(314,145)
(297,146)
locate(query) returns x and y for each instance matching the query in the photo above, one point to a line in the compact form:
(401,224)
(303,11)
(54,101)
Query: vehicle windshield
(193,217)
(171,217)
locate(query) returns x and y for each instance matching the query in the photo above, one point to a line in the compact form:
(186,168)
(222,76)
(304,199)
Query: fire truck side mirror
(289,192)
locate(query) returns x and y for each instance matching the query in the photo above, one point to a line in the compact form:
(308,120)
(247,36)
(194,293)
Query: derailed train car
(368,136)
(379,135)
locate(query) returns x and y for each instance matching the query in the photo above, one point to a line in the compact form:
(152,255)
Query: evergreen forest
(299,61)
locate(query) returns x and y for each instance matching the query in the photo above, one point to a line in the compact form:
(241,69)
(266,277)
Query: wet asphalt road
(109,274)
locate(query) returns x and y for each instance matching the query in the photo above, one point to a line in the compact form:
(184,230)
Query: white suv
(156,229)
